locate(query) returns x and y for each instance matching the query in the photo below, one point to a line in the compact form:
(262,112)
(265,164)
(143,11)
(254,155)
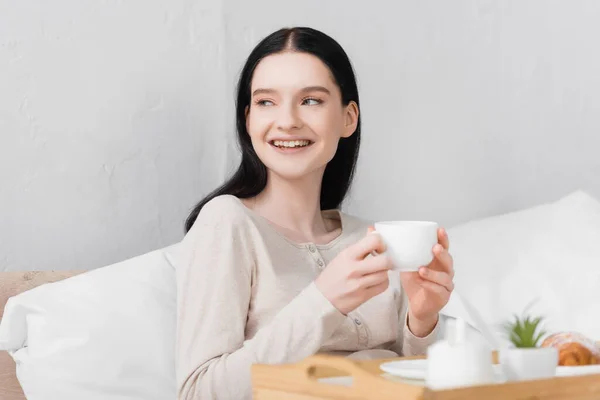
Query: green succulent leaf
(524,332)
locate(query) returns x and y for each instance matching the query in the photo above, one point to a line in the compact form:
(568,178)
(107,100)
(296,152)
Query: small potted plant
(526,360)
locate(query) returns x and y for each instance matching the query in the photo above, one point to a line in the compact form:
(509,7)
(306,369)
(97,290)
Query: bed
(11,284)
(542,260)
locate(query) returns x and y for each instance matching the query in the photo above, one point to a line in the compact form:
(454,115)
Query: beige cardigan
(246,295)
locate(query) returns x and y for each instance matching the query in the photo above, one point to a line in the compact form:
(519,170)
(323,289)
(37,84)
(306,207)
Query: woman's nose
(288,118)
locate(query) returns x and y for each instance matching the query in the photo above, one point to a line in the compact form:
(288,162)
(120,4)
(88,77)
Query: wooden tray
(301,382)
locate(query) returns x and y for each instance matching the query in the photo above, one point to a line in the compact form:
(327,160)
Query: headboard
(11,284)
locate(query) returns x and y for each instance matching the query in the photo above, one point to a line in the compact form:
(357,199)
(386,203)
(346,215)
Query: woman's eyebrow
(304,90)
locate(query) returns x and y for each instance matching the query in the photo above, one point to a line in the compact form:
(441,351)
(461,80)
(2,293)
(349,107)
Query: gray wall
(108,117)
(115,117)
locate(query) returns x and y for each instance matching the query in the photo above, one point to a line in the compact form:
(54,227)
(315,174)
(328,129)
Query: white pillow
(545,256)
(485,251)
(107,334)
(564,267)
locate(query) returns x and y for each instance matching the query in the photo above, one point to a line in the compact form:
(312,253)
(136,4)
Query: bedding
(12,284)
(106,334)
(543,260)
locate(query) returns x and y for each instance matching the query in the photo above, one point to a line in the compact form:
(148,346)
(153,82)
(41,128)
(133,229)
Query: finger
(374,279)
(433,287)
(370,229)
(377,289)
(443,238)
(445,259)
(366,246)
(374,264)
(437,277)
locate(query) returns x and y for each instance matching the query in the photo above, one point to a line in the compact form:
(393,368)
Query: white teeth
(291,143)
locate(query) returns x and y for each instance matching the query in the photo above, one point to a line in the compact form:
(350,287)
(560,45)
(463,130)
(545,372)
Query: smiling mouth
(290,144)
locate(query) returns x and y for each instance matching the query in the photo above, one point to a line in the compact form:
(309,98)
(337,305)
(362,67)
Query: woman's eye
(264,102)
(311,101)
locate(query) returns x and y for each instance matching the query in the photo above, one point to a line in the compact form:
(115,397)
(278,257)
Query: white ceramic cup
(409,243)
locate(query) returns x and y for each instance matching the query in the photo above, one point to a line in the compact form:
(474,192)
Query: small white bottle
(457,361)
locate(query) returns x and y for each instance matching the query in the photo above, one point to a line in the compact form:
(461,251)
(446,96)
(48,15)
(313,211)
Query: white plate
(417,369)
(408,369)
(578,370)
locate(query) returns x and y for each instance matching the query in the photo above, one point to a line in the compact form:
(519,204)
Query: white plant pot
(526,364)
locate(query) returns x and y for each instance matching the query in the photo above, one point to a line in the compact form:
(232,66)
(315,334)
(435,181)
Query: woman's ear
(350,119)
(247,111)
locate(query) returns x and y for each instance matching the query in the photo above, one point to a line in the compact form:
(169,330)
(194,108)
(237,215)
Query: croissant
(573,349)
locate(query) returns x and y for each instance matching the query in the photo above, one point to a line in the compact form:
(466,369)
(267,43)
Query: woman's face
(296,116)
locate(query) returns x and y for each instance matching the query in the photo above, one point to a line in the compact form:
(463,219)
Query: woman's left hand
(429,289)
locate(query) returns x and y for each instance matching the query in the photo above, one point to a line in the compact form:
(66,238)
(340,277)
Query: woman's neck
(294,207)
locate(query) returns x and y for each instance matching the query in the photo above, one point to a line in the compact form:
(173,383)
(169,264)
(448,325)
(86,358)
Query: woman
(270,270)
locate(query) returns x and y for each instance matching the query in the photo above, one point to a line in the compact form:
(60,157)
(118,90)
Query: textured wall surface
(116,116)
(477,107)
(470,107)
(111,126)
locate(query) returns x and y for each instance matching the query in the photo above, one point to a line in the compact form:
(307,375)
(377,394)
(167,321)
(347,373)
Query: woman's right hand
(353,277)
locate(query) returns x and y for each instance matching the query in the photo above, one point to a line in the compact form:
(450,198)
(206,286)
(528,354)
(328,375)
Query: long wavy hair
(250,178)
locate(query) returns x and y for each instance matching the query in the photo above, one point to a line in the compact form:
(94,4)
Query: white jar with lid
(457,361)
